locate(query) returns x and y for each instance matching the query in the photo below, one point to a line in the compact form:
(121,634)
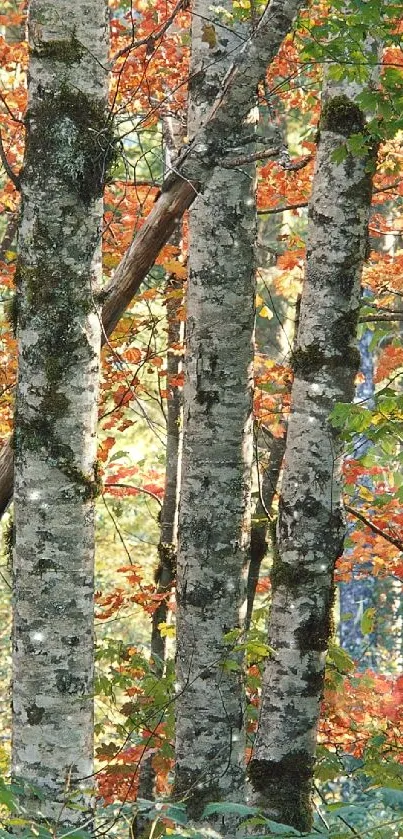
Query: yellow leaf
(110,260)
(259,300)
(166,630)
(265,312)
(173,266)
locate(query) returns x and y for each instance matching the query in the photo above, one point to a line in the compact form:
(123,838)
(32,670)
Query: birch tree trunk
(311,527)
(69,143)
(217,449)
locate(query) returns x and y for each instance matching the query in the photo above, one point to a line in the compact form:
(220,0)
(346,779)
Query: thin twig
(154,36)
(9,171)
(375,529)
(268,211)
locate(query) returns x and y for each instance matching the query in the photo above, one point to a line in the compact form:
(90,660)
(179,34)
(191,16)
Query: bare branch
(8,170)
(248,158)
(155,36)
(392,318)
(272,210)
(398,543)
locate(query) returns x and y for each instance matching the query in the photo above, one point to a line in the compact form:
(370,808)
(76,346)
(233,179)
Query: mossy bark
(311,527)
(217,448)
(69,145)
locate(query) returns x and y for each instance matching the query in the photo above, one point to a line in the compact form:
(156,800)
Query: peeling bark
(311,526)
(214,524)
(69,144)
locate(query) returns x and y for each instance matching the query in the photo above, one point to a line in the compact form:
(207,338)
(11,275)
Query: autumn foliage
(150,72)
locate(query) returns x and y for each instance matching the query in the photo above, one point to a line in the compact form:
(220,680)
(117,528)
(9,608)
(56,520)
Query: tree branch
(268,211)
(398,543)
(248,158)
(8,170)
(151,39)
(386,318)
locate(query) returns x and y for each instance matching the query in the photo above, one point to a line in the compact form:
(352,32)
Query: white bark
(215,488)
(311,526)
(68,146)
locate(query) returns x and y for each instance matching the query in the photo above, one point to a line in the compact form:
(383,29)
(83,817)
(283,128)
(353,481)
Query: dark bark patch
(312,508)
(344,329)
(67,683)
(293,578)
(313,634)
(34,715)
(361,191)
(67,51)
(207,398)
(309,361)
(80,143)
(285,786)
(45,564)
(9,542)
(314,683)
(341,116)
(193,792)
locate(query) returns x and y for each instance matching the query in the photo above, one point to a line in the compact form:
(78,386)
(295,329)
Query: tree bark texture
(214,512)
(191,173)
(69,144)
(311,527)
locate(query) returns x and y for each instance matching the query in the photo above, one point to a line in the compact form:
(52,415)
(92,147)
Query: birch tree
(69,144)
(217,447)
(311,528)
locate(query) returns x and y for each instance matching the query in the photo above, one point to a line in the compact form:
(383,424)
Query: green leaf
(230,665)
(340,659)
(229,808)
(277,829)
(231,636)
(118,455)
(7,798)
(339,154)
(368,621)
(391,797)
(176,812)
